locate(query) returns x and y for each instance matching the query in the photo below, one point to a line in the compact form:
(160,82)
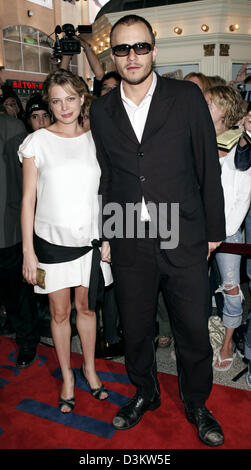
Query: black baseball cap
(35,103)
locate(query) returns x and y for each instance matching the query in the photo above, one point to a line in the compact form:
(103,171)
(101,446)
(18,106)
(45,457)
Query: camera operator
(93,60)
(71,44)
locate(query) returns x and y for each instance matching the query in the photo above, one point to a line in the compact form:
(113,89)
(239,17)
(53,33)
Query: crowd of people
(136,138)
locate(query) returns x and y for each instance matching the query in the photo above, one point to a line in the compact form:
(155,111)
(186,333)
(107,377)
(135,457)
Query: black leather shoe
(209,430)
(131,413)
(25,358)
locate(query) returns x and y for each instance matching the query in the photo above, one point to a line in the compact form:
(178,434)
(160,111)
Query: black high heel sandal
(70,403)
(96,392)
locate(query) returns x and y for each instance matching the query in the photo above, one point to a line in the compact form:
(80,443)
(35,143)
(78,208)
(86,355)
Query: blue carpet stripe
(73,420)
(42,359)
(13,356)
(3,382)
(15,369)
(114,377)
(114,397)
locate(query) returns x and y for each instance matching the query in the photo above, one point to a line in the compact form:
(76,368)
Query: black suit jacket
(12,134)
(176,162)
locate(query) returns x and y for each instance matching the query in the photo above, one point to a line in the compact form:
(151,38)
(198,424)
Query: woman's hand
(106,252)
(30,265)
(212,246)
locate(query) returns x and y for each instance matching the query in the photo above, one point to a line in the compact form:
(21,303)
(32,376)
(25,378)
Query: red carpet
(30,419)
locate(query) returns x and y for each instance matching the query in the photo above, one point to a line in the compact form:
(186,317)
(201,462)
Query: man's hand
(241,75)
(83,42)
(106,252)
(212,246)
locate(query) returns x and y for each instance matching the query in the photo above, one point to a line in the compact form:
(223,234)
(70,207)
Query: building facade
(208,36)
(27,39)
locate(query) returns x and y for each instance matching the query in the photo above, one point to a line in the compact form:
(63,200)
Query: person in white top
(227,108)
(60,203)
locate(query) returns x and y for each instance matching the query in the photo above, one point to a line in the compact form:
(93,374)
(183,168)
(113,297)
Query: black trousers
(18,298)
(186,290)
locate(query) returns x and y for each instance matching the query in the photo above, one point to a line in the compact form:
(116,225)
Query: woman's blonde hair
(205,83)
(230,101)
(216,80)
(64,78)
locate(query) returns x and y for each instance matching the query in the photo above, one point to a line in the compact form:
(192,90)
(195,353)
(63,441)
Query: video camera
(67,45)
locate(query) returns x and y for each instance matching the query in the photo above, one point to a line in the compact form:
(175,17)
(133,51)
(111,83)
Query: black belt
(49,253)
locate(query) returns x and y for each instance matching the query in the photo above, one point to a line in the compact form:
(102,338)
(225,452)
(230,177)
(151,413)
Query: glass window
(46,65)
(29,35)
(28,49)
(13,57)
(12,32)
(44,40)
(31,58)
(74,64)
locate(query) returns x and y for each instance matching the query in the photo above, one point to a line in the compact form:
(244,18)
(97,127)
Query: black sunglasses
(140,48)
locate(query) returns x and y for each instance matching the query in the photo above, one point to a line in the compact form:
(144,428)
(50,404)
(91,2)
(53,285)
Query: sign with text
(25,87)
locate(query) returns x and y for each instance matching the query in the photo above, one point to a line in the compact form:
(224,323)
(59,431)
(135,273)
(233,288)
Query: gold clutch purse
(41,278)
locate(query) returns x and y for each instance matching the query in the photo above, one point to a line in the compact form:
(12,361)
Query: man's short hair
(112,74)
(132,19)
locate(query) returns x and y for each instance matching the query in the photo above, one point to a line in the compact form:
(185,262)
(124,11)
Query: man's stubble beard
(140,80)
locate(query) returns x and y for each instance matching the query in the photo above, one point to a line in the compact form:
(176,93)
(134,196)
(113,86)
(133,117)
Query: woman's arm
(30,261)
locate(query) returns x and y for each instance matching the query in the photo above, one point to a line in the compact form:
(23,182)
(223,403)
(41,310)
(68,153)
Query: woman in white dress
(60,205)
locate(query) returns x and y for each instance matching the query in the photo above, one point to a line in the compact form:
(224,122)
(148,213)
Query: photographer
(93,60)
(62,51)
(243,73)
(242,78)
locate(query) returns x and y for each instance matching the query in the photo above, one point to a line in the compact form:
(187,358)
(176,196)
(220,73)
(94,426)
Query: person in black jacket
(17,296)
(156,146)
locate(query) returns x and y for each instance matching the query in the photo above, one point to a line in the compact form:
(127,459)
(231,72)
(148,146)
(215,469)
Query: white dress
(67,210)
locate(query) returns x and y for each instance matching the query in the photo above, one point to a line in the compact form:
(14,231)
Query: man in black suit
(157,150)
(18,297)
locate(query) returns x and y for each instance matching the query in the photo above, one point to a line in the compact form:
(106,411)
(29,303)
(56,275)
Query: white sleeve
(240,203)
(28,149)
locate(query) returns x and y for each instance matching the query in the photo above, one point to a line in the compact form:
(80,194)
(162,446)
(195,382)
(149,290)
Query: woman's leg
(60,308)
(86,325)
(227,348)
(229,267)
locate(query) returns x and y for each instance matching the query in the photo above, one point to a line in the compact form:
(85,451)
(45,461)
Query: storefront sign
(25,87)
